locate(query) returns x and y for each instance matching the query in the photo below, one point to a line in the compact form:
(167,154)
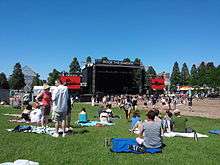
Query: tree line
(16,80)
(206,74)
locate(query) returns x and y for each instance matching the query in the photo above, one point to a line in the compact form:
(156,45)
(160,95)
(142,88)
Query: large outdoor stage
(113,77)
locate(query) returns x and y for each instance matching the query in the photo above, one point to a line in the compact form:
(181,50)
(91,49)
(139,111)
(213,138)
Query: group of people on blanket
(151,129)
(58,103)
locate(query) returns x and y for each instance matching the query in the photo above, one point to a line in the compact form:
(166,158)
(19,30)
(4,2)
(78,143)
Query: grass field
(87,147)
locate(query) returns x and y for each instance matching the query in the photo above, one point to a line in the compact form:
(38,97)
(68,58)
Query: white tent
(38,89)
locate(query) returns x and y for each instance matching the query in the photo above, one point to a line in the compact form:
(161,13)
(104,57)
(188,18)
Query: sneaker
(64,134)
(55,135)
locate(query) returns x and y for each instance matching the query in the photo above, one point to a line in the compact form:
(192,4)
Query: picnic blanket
(19,121)
(217,132)
(12,115)
(93,123)
(129,145)
(190,135)
(20,162)
(34,129)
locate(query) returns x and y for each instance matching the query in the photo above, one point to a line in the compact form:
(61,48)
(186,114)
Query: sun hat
(45,86)
(176,111)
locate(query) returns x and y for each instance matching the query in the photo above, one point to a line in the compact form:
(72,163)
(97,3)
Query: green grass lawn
(88,148)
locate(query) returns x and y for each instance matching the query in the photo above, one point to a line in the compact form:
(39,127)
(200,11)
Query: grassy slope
(88,148)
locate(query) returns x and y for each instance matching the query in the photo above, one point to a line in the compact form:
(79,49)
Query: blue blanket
(217,132)
(93,123)
(126,145)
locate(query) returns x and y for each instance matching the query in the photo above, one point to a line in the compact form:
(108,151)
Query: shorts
(45,110)
(59,116)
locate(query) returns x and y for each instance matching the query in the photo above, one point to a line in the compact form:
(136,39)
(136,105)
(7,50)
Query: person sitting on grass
(36,114)
(26,113)
(179,122)
(104,117)
(109,111)
(150,134)
(167,122)
(83,118)
(136,122)
(157,118)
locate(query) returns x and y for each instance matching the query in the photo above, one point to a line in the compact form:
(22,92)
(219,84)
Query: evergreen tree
(104,59)
(88,60)
(127,60)
(185,76)
(210,74)
(137,61)
(74,66)
(202,74)
(137,79)
(17,78)
(217,76)
(175,76)
(53,76)
(3,81)
(194,75)
(37,81)
(150,73)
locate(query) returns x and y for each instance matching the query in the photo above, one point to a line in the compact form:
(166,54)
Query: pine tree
(3,81)
(137,61)
(194,75)
(127,60)
(210,74)
(74,66)
(88,60)
(53,76)
(175,76)
(17,78)
(37,81)
(104,59)
(202,74)
(185,76)
(150,73)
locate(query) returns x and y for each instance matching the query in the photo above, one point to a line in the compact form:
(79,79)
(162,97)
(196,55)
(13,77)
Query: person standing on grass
(60,104)
(46,101)
(190,103)
(68,115)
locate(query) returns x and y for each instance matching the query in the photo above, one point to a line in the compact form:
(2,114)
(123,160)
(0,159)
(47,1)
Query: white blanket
(20,162)
(190,135)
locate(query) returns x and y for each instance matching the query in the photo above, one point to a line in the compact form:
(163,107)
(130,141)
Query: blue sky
(47,34)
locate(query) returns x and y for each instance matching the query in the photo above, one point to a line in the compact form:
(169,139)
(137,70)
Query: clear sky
(47,34)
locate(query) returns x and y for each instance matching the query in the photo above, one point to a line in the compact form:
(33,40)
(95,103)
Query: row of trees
(16,80)
(206,74)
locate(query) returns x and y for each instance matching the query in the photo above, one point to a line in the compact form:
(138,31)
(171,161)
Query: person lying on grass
(150,134)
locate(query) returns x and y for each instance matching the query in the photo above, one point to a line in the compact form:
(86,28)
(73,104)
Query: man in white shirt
(60,97)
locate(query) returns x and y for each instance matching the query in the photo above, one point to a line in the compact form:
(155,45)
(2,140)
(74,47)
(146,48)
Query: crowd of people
(151,129)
